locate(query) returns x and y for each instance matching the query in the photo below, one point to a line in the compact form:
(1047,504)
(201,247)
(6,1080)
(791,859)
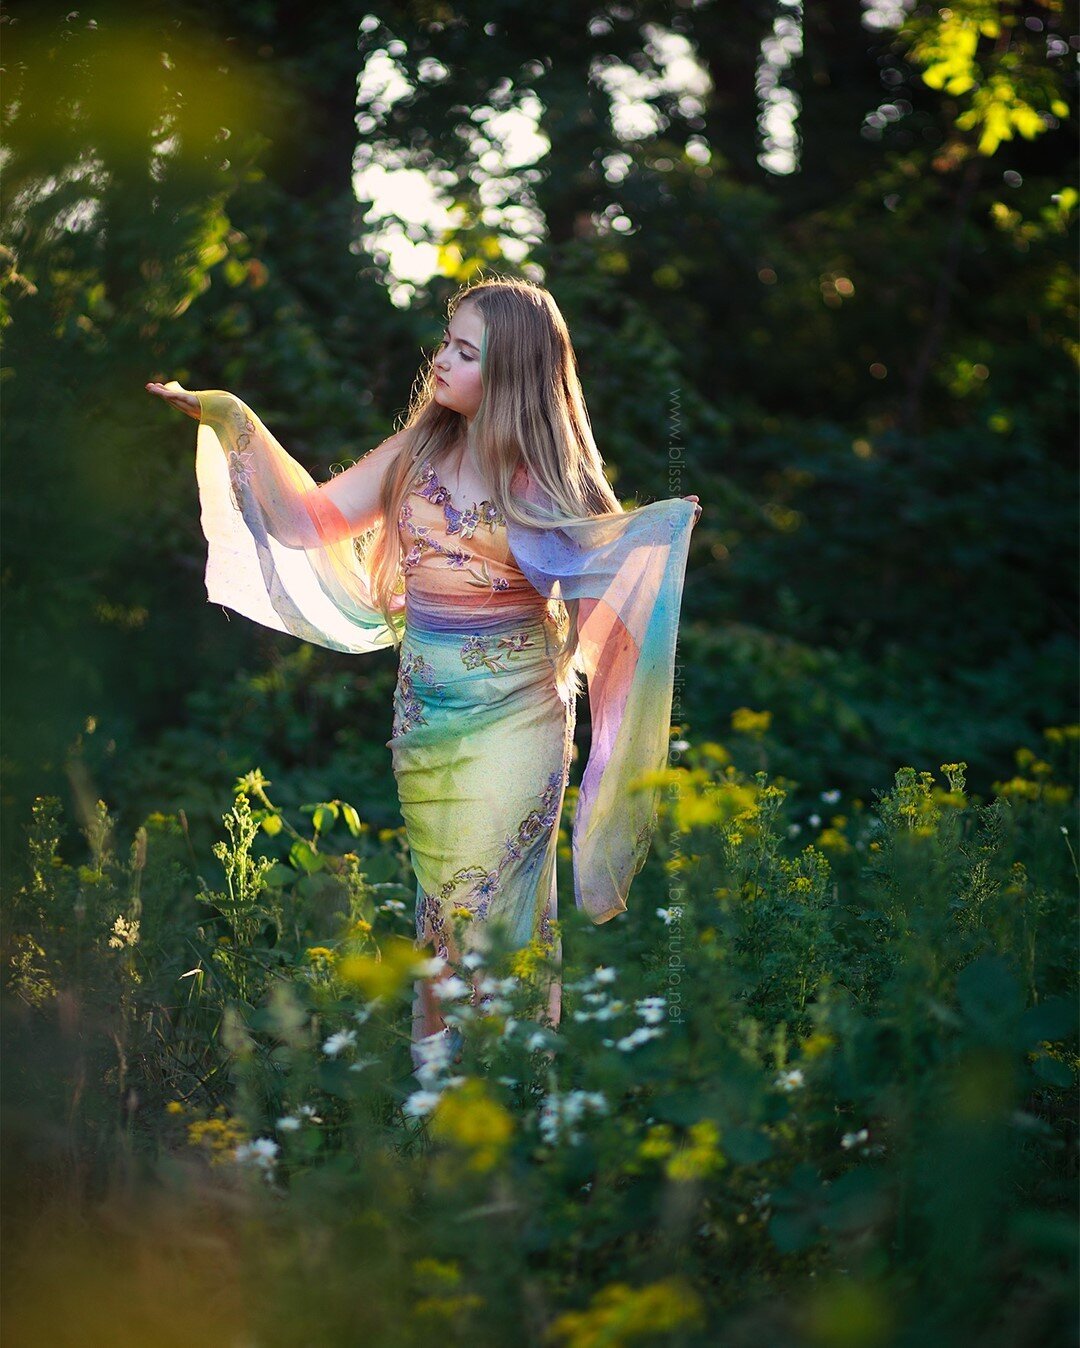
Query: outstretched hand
(176,396)
(697,511)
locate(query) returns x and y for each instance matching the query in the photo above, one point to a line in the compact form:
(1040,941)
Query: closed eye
(468,359)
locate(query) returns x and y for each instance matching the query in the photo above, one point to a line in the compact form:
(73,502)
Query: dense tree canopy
(858,326)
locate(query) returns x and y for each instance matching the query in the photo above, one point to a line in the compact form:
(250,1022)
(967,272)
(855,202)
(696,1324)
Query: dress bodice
(458,565)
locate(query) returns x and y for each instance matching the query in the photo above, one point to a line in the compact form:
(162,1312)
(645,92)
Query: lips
(439,379)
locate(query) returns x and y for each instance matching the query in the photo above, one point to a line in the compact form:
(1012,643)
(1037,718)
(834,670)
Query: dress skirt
(482,744)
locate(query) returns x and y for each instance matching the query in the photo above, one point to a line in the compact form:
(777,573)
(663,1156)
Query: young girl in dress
(511,574)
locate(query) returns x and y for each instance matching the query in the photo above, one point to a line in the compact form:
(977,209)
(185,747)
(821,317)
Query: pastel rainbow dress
(482,734)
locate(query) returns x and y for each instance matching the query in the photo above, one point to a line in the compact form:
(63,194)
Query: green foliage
(850,1119)
(854,1057)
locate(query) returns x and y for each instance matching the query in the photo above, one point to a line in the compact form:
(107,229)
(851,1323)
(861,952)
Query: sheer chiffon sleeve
(279,550)
(626,573)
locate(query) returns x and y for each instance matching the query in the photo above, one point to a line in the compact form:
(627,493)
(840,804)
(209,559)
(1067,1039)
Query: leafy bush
(816,1092)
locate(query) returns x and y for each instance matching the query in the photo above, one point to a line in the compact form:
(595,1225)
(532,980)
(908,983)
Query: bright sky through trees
(410,208)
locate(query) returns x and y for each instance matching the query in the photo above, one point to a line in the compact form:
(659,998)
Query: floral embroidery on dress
(430,924)
(547,934)
(484,883)
(478,650)
(408,708)
(465,521)
(422,533)
(461,522)
(535,820)
(482,577)
(241,462)
(643,838)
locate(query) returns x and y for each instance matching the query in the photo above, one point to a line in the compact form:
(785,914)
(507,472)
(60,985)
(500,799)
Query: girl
(511,572)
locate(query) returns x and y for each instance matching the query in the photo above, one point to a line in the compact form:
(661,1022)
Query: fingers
(177,397)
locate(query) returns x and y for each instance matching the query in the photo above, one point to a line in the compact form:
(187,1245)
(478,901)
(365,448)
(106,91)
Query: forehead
(467,323)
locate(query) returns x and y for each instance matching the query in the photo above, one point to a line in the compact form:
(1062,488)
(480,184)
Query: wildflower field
(818,1086)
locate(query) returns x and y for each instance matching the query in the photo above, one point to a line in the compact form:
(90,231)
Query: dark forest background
(869,365)
(818,1086)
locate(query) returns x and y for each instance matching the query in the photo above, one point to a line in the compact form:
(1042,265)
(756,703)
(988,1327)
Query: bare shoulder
(393,444)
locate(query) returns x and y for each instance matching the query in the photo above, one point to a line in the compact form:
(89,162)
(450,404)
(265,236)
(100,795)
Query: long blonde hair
(532,413)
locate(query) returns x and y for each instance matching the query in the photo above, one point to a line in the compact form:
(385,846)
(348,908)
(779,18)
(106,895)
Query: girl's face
(457,364)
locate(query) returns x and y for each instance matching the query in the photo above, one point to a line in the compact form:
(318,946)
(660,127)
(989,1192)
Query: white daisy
(336,1042)
(420,1103)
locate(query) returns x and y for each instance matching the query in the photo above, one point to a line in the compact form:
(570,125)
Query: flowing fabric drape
(281,554)
(626,573)
(279,551)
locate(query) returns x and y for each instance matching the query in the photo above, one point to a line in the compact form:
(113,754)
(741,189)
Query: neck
(464,449)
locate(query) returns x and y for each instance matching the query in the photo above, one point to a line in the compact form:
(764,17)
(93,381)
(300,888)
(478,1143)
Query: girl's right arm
(352,497)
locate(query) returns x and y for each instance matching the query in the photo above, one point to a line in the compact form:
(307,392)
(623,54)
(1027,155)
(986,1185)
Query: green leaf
(747,1146)
(324,817)
(1050,1020)
(379,869)
(352,819)
(271,824)
(304,857)
(1053,1071)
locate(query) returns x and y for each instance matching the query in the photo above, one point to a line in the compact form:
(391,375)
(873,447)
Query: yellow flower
(657,1143)
(470,1119)
(527,962)
(1020,787)
(833,838)
(619,1314)
(748,722)
(817,1043)
(219,1136)
(383,974)
(445,1271)
(700,1155)
(174,1107)
(317,953)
